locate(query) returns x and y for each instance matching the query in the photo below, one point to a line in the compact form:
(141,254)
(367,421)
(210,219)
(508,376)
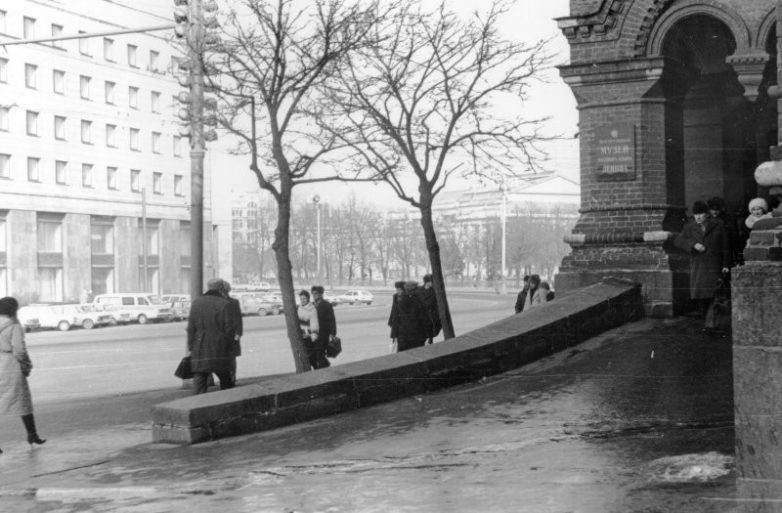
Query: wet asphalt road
(636,420)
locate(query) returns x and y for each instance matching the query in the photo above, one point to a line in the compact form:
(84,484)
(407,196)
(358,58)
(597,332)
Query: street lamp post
(316,201)
(503,189)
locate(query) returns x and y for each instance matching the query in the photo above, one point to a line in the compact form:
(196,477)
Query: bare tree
(273,58)
(438,98)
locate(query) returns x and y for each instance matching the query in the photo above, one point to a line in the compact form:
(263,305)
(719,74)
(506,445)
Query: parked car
(172,298)
(141,307)
(258,304)
(356,296)
(62,317)
(331,298)
(180,309)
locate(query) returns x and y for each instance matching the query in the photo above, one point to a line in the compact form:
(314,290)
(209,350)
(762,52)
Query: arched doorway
(725,126)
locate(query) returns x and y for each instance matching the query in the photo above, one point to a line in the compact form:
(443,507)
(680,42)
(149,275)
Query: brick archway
(680,11)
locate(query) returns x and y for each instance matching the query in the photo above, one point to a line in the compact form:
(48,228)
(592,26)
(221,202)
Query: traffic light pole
(197,151)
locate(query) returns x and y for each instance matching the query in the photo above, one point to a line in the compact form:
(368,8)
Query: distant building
(94,178)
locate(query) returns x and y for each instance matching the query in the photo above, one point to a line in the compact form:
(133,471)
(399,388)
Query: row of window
(62,172)
(61,133)
(30,29)
(31,81)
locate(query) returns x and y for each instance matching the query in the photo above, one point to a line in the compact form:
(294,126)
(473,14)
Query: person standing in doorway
(705,240)
(15,367)
(210,338)
(327,325)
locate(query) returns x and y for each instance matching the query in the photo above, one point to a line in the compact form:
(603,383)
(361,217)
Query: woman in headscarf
(15,367)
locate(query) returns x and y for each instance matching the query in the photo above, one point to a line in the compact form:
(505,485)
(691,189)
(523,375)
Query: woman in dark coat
(410,323)
(706,241)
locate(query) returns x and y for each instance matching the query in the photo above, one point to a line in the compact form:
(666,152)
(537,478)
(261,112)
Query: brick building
(94,176)
(673,99)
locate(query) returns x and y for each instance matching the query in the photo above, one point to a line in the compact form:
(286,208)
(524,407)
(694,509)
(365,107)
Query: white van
(135,306)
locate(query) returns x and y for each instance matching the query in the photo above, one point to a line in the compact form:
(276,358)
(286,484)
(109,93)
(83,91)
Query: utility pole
(503,190)
(191,26)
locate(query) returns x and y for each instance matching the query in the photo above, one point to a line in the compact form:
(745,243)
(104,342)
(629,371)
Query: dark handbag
(185,369)
(333,347)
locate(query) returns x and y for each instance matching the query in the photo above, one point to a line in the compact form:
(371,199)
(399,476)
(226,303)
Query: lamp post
(316,201)
(504,213)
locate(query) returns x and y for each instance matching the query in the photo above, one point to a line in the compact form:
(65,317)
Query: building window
(175,68)
(154,100)
(157,183)
(134,135)
(86,175)
(155,142)
(135,180)
(111,178)
(33,170)
(133,97)
(154,61)
(30,76)
(57,32)
(108,49)
(110,86)
(86,131)
(84,45)
(32,123)
(84,86)
(5,165)
(3,70)
(132,50)
(58,81)
(61,172)
(50,280)
(179,185)
(102,238)
(177,146)
(4,113)
(111,136)
(59,127)
(28,27)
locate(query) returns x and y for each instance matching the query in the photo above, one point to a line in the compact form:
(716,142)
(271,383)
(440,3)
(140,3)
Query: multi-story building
(94,176)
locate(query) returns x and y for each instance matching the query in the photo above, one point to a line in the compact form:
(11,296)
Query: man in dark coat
(210,338)
(706,241)
(328,329)
(399,286)
(522,297)
(412,324)
(237,323)
(429,300)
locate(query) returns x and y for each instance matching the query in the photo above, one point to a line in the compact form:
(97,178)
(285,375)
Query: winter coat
(706,267)
(237,324)
(535,297)
(308,320)
(429,300)
(521,299)
(412,325)
(15,398)
(210,334)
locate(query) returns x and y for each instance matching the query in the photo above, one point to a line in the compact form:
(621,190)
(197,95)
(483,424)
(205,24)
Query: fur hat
(700,207)
(8,306)
(758,202)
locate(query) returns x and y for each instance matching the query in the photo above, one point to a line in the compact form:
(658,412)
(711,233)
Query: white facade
(89,149)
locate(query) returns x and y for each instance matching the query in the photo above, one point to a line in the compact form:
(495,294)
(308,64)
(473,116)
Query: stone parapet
(495,348)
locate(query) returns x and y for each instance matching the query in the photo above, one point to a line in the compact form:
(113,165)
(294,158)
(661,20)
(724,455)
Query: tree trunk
(285,277)
(433,248)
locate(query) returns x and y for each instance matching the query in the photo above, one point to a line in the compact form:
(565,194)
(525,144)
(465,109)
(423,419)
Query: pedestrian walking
(429,300)
(15,367)
(412,325)
(545,289)
(705,240)
(327,329)
(237,323)
(308,321)
(211,334)
(399,286)
(522,297)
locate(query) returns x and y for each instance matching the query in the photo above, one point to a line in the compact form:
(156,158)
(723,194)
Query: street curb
(492,349)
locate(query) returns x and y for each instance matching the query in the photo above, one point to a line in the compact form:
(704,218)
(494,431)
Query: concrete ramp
(495,348)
